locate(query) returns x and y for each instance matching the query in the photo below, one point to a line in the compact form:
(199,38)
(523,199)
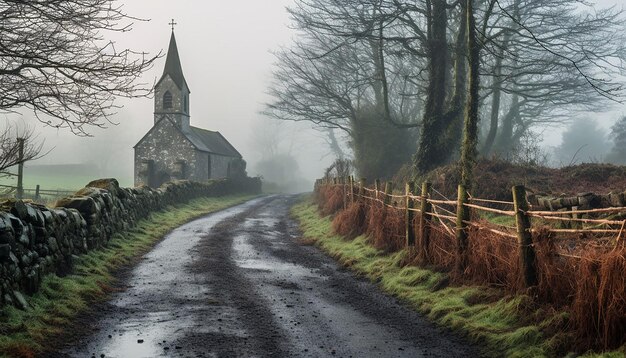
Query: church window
(167,100)
(186,104)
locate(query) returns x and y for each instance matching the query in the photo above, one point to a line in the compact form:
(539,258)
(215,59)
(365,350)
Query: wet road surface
(238,284)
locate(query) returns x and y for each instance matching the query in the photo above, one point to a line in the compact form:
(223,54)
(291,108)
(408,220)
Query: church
(173,149)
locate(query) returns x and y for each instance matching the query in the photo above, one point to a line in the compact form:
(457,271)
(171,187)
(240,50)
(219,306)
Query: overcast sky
(225,53)
(225,49)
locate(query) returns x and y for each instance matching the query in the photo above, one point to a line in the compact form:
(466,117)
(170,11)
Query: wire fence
(36,193)
(573,258)
(507,219)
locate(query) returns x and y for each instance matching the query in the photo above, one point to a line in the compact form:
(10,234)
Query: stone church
(172,148)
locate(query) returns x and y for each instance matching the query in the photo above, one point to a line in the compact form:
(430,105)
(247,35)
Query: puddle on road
(248,257)
(133,338)
(316,326)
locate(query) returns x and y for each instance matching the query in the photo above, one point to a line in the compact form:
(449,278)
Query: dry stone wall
(36,240)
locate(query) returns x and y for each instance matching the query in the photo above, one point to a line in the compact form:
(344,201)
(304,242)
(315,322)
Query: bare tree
(337,76)
(18,146)
(617,154)
(545,61)
(55,61)
(540,62)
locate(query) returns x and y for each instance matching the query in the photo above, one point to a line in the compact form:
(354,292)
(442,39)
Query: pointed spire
(172,64)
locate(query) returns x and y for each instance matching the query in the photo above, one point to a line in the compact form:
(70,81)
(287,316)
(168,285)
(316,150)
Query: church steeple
(172,64)
(171,97)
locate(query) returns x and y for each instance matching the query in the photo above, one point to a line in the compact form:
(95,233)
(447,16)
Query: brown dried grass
(493,260)
(590,283)
(386,227)
(330,199)
(352,221)
(556,280)
(599,304)
(441,249)
(583,277)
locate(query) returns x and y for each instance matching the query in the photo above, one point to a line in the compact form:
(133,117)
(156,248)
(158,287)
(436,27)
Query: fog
(225,49)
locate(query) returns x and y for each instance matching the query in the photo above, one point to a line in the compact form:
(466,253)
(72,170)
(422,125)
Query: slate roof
(202,139)
(173,66)
(211,141)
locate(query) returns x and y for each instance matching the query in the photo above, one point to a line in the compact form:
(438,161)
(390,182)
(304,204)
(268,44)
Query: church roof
(211,141)
(173,66)
(202,139)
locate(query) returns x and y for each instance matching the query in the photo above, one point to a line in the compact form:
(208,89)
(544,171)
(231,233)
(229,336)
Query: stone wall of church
(219,165)
(202,165)
(219,168)
(156,164)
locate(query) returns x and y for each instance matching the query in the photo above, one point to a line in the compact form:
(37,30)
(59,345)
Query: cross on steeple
(173,24)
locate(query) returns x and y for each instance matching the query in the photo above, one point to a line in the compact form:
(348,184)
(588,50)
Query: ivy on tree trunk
(470,134)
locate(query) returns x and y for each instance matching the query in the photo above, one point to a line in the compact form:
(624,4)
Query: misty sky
(225,53)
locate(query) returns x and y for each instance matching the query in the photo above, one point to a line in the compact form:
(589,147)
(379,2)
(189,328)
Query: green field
(68,177)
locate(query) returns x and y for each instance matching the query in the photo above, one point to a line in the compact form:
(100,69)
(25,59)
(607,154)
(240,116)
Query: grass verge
(22,333)
(509,326)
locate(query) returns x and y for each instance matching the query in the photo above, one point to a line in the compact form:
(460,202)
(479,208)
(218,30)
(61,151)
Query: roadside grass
(23,333)
(510,326)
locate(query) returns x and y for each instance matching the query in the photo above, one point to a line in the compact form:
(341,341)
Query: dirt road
(238,284)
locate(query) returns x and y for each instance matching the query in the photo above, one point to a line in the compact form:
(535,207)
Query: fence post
(576,224)
(20,168)
(377,188)
(351,189)
(462,216)
(425,208)
(410,214)
(37,192)
(344,191)
(362,185)
(524,236)
(388,192)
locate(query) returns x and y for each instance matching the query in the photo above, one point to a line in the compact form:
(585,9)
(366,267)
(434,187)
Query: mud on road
(239,284)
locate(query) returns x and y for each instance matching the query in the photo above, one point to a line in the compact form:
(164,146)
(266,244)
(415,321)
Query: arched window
(186,104)
(167,100)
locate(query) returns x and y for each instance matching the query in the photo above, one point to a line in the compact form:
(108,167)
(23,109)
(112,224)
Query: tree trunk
(334,145)
(429,153)
(505,138)
(454,115)
(495,103)
(468,152)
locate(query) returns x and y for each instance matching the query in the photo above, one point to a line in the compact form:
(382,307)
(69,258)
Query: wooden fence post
(377,188)
(410,214)
(388,192)
(37,192)
(462,216)
(524,237)
(20,168)
(344,190)
(362,185)
(351,189)
(426,208)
